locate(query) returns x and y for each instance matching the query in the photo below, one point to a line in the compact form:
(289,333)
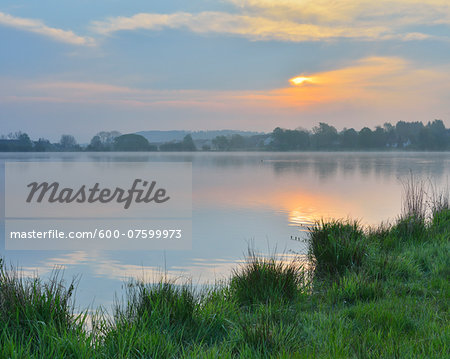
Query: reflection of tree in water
(365,165)
(382,165)
(300,166)
(325,165)
(347,165)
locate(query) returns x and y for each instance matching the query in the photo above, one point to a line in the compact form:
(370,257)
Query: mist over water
(239,199)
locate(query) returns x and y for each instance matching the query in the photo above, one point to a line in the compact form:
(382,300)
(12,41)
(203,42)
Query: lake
(257,199)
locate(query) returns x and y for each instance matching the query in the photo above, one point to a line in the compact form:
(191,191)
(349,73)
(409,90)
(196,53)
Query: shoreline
(381,292)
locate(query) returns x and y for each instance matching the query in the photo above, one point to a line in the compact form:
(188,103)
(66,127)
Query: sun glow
(300,80)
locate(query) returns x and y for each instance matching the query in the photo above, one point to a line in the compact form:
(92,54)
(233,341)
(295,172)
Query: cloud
(197,270)
(365,92)
(279,20)
(39,27)
(346,11)
(298,21)
(251,27)
(373,83)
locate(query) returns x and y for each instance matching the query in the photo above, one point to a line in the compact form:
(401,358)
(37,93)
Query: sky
(80,67)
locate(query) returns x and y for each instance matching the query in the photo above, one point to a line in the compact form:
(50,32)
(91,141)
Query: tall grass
(27,301)
(262,280)
(439,198)
(37,318)
(439,203)
(423,205)
(414,198)
(382,293)
(336,246)
(163,302)
(354,287)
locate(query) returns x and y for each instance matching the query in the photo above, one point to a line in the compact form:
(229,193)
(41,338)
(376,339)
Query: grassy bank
(366,293)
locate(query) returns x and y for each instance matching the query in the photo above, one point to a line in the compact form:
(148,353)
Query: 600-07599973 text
(99,234)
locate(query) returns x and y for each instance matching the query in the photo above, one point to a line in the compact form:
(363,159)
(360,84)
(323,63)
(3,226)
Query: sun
(300,80)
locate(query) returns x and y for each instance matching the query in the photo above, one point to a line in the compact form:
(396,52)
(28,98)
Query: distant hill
(178,135)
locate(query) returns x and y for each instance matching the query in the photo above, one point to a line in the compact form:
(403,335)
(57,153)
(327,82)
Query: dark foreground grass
(266,280)
(336,246)
(379,293)
(37,318)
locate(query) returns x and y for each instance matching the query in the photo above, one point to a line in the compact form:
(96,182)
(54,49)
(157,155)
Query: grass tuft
(414,195)
(409,228)
(262,280)
(28,302)
(440,209)
(163,303)
(336,246)
(38,320)
(354,287)
(439,199)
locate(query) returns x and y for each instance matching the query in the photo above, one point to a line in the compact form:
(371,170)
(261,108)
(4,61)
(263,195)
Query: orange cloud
(373,83)
(252,27)
(297,21)
(362,12)
(374,80)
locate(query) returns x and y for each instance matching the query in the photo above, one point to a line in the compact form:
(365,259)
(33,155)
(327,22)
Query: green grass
(162,302)
(336,246)
(263,280)
(376,293)
(37,318)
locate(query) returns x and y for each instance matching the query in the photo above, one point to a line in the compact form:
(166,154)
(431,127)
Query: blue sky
(86,66)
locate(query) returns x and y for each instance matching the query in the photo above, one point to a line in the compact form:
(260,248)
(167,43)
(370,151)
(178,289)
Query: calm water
(261,199)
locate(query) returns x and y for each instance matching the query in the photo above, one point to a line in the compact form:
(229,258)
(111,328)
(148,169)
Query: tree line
(102,142)
(433,136)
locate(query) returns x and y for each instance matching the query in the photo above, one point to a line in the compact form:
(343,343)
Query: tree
(103,141)
(302,139)
(365,138)
(289,140)
(391,136)
(132,142)
(349,138)
(107,139)
(24,143)
(16,142)
(325,136)
(237,142)
(171,146)
(188,144)
(68,143)
(221,143)
(96,144)
(43,145)
(379,137)
(408,133)
(439,136)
